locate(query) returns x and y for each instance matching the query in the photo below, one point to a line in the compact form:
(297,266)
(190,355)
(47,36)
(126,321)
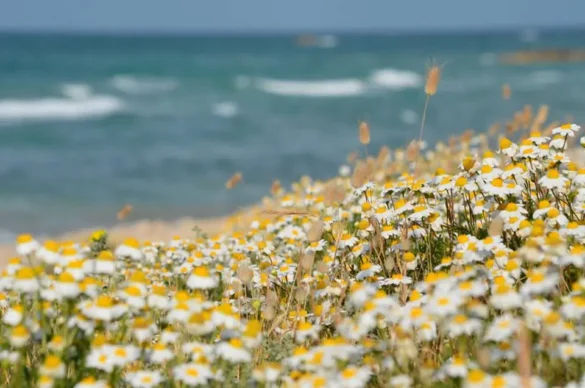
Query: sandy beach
(152,230)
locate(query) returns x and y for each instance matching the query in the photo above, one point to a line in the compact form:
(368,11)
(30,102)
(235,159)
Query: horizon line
(287,32)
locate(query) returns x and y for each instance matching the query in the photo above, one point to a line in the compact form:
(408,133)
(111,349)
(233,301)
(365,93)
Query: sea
(89,123)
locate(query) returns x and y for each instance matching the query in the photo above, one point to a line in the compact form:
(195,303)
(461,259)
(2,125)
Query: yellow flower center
(106,256)
(104,301)
(201,271)
(20,331)
(505,143)
(497,182)
(121,352)
(349,373)
(476,376)
(52,362)
(25,273)
(553,174)
(24,238)
(133,291)
(66,277)
(132,243)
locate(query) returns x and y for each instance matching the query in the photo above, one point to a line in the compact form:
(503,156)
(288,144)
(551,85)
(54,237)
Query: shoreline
(147,229)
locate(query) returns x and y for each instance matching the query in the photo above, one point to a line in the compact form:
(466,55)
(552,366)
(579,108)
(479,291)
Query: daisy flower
(574,308)
(505,298)
(53,367)
(268,372)
(26,245)
(49,252)
(121,355)
(158,298)
(507,147)
(461,324)
(144,379)
(91,382)
(13,316)
(66,286)
(103,309)
(233,351)
(104,263)
(129,248)
(539,282)
(200,323)
(160,354)
(353,377)
(26,280)
(553,180)
(202,279)
(501,328)
(347,240)
(19,336)
(305,330)
(442,305)
(192,374)
(566,130)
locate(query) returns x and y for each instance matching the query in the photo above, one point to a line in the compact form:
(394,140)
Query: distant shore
(143,230)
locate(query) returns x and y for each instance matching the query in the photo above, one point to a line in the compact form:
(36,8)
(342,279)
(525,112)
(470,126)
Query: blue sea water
(90,123)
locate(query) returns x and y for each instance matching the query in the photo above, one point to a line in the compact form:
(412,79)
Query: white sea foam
(546,77)
(320,88)
(242,82)
(487,59)
(408,116)
(79,104)
(225,109)
(76,91)
(146,85)
(394,79)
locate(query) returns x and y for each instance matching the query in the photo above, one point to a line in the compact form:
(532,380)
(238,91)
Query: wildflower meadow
(441,267)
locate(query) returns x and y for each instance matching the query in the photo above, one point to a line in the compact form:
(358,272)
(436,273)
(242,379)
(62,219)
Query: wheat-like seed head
(124,212)
(433,78)
(364,133)
(233,181)
(506,91)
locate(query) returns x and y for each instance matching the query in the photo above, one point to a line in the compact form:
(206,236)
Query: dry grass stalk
(383,156)
(233,181)
(360,174)
(244,273)
(377,239)
(467,135)
(307,261)
(315,231)
(412,151)
(524,356)
(432,82)
(276,188)
(333,193)
(541,115)
(506,91)
(287,212)
(526,116)
(496,226)
(364,133)
(124,212)
(352,157)
(494,129)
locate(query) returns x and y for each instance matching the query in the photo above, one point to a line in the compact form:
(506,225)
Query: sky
(280,15)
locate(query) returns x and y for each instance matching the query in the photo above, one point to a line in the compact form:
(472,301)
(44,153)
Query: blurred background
(158,103)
